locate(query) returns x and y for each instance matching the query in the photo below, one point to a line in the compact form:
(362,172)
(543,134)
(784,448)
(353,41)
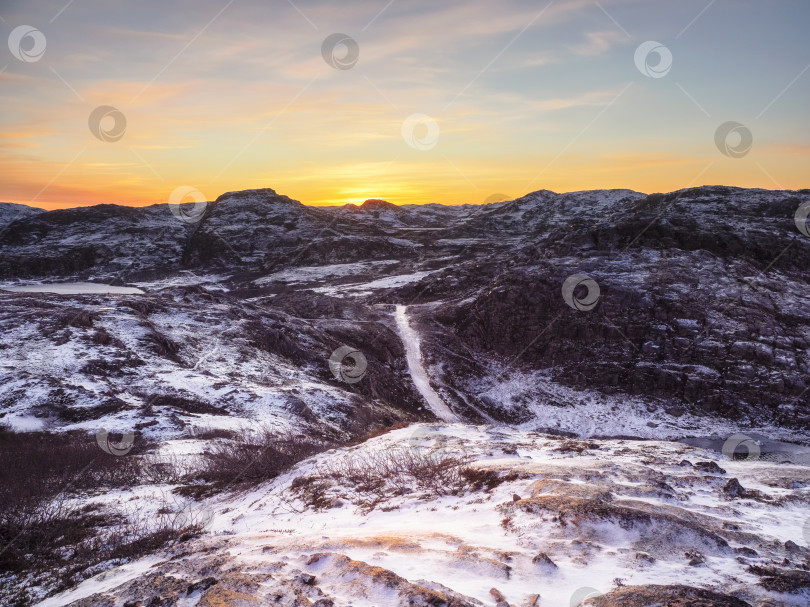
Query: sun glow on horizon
(508,100)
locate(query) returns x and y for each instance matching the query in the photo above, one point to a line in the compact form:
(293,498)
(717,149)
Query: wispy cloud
(597,43)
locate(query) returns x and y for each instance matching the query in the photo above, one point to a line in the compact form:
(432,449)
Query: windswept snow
(420,378)
(571,515)
(367,288)
(309,273)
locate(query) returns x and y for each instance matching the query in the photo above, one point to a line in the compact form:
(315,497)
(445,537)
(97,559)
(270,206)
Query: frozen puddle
(74,288)
(420,378)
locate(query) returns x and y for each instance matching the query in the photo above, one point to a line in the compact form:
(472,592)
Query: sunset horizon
(410,103)
(492,198)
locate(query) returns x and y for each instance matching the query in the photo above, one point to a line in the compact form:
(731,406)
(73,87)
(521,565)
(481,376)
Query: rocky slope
(699,310)
(189,358)
(699,307)
(11,212)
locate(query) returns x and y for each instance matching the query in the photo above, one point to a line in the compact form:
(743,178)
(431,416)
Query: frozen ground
(367,288)
(75,288)
(563,517)
(308,274)
(570,421)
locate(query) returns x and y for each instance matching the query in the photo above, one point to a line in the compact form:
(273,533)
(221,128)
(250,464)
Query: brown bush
(44,535)
(184,403)
(255,456)
(38,466)
(312,490)
(573,446)
(478,478)
(398,470)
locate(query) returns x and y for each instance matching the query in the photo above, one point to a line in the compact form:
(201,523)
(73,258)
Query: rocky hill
(11,212)
(699,310)
(589,398)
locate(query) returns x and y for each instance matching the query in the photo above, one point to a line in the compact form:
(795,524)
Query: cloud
(589,98)
(597,43)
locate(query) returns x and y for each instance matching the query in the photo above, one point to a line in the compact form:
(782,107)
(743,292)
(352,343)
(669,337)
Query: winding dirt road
(413,353)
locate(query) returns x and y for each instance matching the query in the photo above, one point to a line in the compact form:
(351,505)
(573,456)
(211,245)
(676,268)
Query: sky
(412,101)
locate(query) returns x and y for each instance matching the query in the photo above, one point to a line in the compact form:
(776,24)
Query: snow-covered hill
(11,212)
(517,518)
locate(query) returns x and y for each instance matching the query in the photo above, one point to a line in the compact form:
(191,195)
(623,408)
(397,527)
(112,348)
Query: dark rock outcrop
(664,596)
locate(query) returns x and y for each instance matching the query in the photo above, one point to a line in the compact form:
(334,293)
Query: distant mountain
(10,211)
(380,205)
(246,233)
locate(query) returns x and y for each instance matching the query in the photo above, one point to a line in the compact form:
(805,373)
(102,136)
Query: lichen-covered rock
(664,596)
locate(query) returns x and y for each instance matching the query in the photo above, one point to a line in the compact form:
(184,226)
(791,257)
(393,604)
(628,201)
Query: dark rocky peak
(534,197)
(538,212)
(715,191)
(98,213)
(249,211)
(371,205)
(258,196)
(730,205)
(71,223)
(375,204)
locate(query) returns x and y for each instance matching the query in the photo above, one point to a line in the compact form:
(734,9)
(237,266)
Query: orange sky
(519,98)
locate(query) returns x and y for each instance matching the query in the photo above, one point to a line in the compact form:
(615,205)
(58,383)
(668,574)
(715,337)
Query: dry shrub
(255,456)
(573,446)
(480,478)
(398,470)
(39,466)
(45,535)
(313,491)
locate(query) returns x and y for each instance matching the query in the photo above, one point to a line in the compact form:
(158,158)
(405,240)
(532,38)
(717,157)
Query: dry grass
(483,478)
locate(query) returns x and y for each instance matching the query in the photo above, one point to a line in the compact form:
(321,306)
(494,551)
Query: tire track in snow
(413,354)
